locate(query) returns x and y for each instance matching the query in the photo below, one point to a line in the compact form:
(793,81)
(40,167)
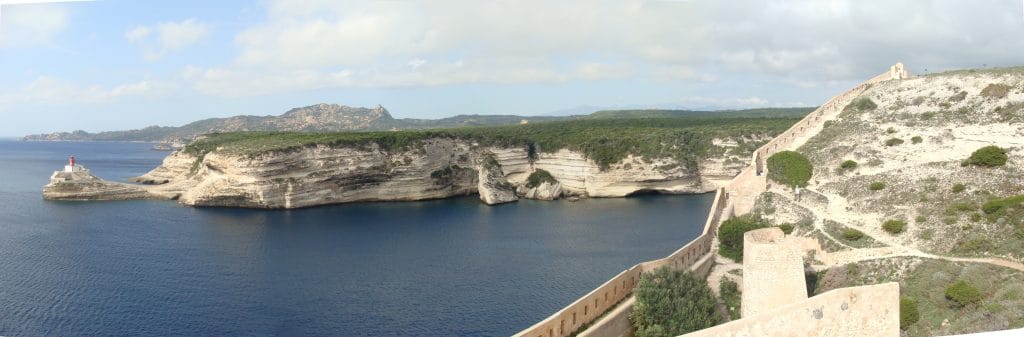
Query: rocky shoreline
(440,168)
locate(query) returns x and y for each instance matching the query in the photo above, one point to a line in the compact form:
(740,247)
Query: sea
(451,267)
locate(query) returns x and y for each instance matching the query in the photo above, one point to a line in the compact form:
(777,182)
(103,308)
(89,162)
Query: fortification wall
(773,272)
(848,312)
(585,310)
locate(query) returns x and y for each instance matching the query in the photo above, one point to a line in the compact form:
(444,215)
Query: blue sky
(109,65)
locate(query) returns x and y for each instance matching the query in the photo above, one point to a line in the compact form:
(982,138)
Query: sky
(114,64)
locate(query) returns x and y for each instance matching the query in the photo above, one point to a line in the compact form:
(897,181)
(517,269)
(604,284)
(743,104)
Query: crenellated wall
(595,303)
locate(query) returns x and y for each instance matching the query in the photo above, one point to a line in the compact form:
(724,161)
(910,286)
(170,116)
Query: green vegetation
(786,228)
(489,161)
(908,312)
(848,165)
(671,303)
(960,96)
(730,235)
(958,187)
(1000,206)
(852,234)
(861,104)
(963,293)
(789,168)
(893,142)
(539,177)
(989,156)
(925,282)
(731,296)
(876,186)
(606,141)
(995,90)
(894,226)
(916,140)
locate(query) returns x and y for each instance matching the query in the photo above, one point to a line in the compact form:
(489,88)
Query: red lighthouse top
(71,161)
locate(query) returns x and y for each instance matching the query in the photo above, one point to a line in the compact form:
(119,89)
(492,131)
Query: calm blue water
(436,268)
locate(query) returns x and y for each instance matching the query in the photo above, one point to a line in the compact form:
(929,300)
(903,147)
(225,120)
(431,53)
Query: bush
(890,130)
(894,226)
(852,234)
(786,228)
(989,156)
(875,186)
(995,90)
(862,104)
(893,142)
(960,96)
(908,312)
(731,296)
(920,219)
(789,168)
(663,291)
(998,205)
(963,293)
(540,177)
(848,165)
(957,188)
(730,235)
(916,140)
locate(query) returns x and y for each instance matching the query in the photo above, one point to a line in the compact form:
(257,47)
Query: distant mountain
(313,118)
(334,117)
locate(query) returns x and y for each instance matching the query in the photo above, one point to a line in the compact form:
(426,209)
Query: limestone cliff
(438,168)
(493,187)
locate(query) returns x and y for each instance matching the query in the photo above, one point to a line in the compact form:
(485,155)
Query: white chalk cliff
(440,168)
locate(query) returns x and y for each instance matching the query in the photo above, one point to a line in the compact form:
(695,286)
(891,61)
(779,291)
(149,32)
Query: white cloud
(167,37)
(31,26)
(53,91)
(793,43)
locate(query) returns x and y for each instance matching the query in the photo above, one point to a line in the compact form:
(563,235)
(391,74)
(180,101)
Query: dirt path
(836,208)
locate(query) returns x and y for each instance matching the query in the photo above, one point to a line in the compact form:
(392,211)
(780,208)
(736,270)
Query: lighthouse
(70,167)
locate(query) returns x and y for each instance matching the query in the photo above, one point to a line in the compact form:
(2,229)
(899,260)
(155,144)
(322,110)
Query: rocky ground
(937,121)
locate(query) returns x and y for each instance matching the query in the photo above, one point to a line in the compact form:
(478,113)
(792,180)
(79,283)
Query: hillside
(335,118)
(899,154)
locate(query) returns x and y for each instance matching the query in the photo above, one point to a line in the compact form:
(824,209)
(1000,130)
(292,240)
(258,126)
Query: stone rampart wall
(589,307)
(848,312)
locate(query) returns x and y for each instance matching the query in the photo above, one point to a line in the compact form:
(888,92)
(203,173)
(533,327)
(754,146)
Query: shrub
(890,130)
(916,140)
(964,206)
(960,96)
(957,188)
(848,165)
(989,156)
(786,228)
(998,205)
(875,186)
(687,297)
(995,90)
(852,234)
(540,177)
(730,235)
(862,104)
(893,142)
(789,168)
(908,312)
(963,293)
(731,296)
(894,226)
(920,219)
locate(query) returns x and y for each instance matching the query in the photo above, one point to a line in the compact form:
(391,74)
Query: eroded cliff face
(439,168)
